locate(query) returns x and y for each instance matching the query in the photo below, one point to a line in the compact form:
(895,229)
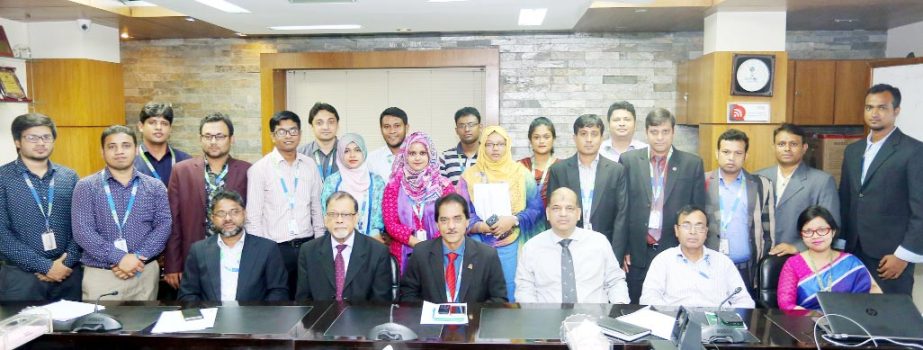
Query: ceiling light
(640,10)
(319,27)
(190,19)
(446,0)
(845,20)
(532,17)
(403,30)
(125,35)
(223,5)
(139,3)
(241,34)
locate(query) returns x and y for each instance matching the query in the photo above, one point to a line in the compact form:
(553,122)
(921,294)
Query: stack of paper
(63,310)
(660,325)
(173,321)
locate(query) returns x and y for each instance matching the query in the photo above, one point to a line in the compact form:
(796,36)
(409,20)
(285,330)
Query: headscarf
(422,185)
(355,181)
(503,170)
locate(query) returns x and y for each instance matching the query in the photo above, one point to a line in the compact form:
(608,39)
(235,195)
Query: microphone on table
(391,330)
(736,291)
(727,329)
(96,321)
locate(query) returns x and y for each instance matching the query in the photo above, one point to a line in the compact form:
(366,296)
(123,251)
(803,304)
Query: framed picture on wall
(752,75)
(5,49)
(10,88)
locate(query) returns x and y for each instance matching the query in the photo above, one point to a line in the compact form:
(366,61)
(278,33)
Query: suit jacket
(481,276)
(262,275)
(368,275)
(806,187)
(887,210)
(685,185)
(609,210)
(760,202)
(186,194)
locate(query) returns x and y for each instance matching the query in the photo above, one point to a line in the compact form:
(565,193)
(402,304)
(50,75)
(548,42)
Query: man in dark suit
(192,184)
(452,268)
(599,182)
(343,265)
(661,180)
(881,192)
(233,265)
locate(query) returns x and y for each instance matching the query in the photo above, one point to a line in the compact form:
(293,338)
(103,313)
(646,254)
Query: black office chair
(395,279)
(768,280)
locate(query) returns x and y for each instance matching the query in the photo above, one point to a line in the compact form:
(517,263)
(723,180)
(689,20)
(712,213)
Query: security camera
(84,24)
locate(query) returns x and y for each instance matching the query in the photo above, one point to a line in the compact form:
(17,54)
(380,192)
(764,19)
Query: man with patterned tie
(587,271)
(452,268)
(343,265)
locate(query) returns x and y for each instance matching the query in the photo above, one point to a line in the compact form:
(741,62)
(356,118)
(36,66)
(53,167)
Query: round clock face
(753,75)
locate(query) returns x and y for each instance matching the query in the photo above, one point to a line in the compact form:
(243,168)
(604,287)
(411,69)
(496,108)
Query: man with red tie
(466,271)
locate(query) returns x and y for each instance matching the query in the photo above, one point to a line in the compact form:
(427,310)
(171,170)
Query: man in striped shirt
(455,160)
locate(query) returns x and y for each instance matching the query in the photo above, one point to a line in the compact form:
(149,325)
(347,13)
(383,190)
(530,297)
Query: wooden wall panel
(761,153)
(814,92)
(852,81)
(78,148)
(709,87)
(78,92)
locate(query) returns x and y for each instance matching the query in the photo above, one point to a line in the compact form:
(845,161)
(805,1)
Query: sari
(799,285)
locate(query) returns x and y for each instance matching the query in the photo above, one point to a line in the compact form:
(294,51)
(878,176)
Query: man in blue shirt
(35,224)
(156,157)
(121,219)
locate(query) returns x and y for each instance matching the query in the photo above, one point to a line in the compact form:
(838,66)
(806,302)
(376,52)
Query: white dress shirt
(229,259)
(347,252)
(380,161)
(268,212)
(674,280)
(610,152)
(598,275)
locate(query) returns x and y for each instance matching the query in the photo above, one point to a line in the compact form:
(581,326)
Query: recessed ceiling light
(403,30)
(319,27)
(125,35)
(139,3)
(241,34)
(640,10)
(223,5)
(190,19)
(532,17)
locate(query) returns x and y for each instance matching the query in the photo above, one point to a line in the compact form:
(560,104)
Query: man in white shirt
(691,274)
(568,264)
(621,131)
(393,123)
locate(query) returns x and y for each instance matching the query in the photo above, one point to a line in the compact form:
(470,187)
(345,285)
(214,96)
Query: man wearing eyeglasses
(231,264)
(156,157)
(691,274)
(193,184)
(41,257)
(325,122)
(283,194)
(455,160)
(343,265)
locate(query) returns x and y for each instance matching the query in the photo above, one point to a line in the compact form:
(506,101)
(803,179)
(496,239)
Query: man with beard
(193,185)
(35,222)
(237,266)
(393,123)
(156,157)
(343,265)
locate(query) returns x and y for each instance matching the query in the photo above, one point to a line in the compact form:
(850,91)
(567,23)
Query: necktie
(340,266)
(450,276)
(568,279)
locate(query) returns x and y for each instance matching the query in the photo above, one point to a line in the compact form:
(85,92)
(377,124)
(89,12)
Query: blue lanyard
(657,182)
(151,166)
(367,205)
(131,203)
(218,180)
(458,276)
(320,164)
(290,197)
(726,217)
(39,201)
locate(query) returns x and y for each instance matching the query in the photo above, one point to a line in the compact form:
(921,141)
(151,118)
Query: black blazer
(481,277)
(610,200)
(262,274)
(886,211)
(685,185)
(368,275)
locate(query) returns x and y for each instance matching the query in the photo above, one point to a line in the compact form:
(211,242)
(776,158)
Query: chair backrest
(395,279)
(770,268)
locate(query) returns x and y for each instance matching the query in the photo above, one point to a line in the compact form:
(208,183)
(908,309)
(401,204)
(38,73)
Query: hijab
(354,181)
(423,185)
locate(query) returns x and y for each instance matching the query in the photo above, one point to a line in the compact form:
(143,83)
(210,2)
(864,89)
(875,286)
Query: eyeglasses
(340,215)
(466,126)
(218,137)
(698,228)
(284,132)
(823,231)
(47,138)
(495,145)
(223,214)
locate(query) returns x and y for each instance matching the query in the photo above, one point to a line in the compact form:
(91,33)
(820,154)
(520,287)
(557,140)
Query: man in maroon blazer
(192,185)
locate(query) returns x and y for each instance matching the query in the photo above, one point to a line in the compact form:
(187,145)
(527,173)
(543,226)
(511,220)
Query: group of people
(620,221)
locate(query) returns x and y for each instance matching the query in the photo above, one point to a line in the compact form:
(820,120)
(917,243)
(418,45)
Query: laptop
(883,315)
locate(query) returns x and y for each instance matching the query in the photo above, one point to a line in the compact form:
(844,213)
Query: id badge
(724,246)
(655,221)
(420,235)
(293,228)
(121,244)
(48,241)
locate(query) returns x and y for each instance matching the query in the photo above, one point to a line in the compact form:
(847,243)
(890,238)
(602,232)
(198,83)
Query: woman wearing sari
(820,268)
(355,178)
(409,198)
(496,178)
(541,139)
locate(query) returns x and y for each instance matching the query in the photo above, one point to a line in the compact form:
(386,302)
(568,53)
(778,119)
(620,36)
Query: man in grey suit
(797,187)
(661,180)
(881,193)
(599,182)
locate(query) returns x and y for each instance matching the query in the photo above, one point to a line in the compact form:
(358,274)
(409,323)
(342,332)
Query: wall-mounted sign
(748,112)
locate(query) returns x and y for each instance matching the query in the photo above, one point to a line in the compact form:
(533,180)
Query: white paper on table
(430,314)
(660,325)
(492,199)
(173,321)
(64,310)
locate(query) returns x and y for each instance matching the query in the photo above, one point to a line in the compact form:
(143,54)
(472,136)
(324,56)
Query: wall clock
(752,75)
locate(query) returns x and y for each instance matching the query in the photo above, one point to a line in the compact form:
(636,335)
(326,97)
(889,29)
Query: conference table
(329,325)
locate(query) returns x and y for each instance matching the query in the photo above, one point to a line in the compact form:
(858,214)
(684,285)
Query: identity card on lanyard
(218,180)
(418,209)
(48,240)
(121,243)
(724,246)
(151,166)
(655,220)
(586,201)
